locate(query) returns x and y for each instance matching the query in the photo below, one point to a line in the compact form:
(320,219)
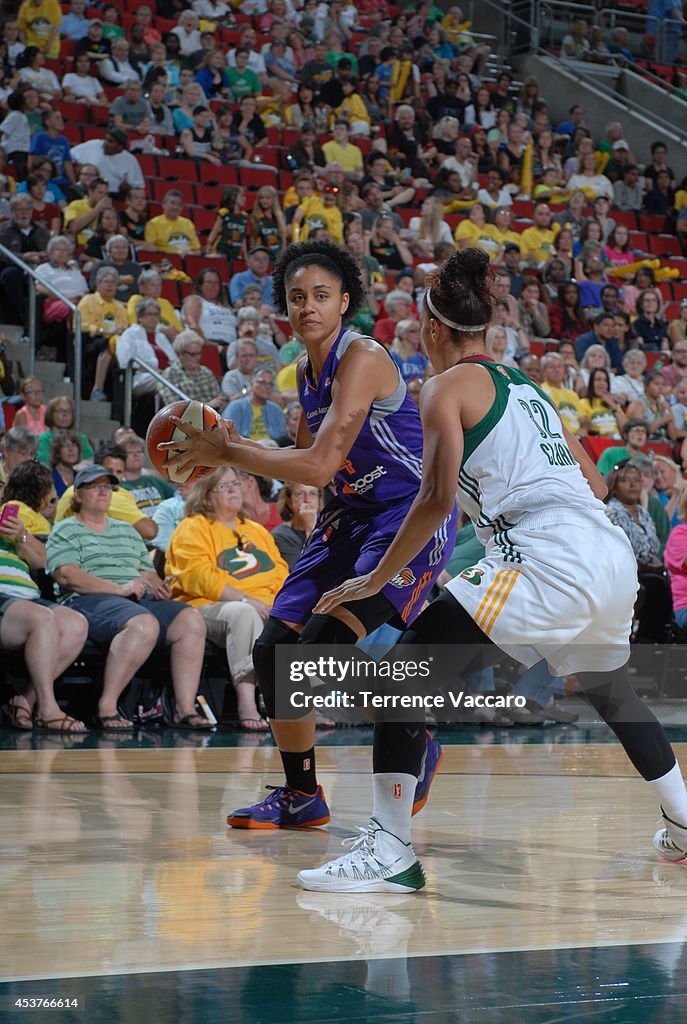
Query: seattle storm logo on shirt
(241,563)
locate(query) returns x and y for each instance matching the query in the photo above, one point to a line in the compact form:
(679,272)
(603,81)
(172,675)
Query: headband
(451,323)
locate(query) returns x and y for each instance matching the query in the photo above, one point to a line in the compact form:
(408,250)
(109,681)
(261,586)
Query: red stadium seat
(148,164)
(177,169)
(210,358)
(204,220)
(626,217)
(652,223)
(170,291)
(196,264)
(665,245)
(213,175)
(255,177)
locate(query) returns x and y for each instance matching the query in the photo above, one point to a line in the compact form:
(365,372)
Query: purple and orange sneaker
(283,808)
(430,766)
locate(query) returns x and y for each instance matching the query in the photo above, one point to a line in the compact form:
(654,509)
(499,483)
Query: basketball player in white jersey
(557,581)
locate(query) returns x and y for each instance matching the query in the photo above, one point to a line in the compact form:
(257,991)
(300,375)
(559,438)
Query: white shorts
(561,585)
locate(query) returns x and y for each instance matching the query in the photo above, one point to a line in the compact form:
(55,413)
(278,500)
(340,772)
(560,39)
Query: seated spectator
(146,340)
(51,636)
(61,272)
(406,350)
(114,163)
(260,325)
(24,239)
(669,486)
(102,318)
(628,191)
(161,120)
(32,413)
(60,415)
(675,558)
(630,384)
(52,143)
(189,375)
(242,80)
(601,334)
(257,274)
(299,506)
(32,71)
(236,382)
(387,246)
(207,311)
(64,454)
(117,69)
(661,198)
(212,76)
(596,357)
(318,211)
(81,215)
(94,44)
(677,334)
(247,124)
(397,306)
(170,232)
(654,409)
(566,349)
(649,327)
(104,571)
(635,436)
(536,242)
(45,214)
(623,508)
(75,24)
(106,227)
(112,457)
(255,416)
(118,253)
(266,224)
(207,557)
(134,217)
(187,33)
(18,445)
(197,141)
(192,96)
(566,319)
(591,275)
(618,251)
(148,489)
(644,278)
(602,409)
(568,403)
(150,287)
(131,111)
(659,155)
(257,500)
(168,514)
(534,319)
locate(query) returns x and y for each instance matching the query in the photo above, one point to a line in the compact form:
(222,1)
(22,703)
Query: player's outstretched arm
(441,458)
(355,388)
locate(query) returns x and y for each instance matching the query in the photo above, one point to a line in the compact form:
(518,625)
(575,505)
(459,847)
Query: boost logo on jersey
(364,483)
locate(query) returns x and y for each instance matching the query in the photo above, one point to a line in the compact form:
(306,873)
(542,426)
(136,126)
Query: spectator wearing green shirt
(148,490)
(242,81)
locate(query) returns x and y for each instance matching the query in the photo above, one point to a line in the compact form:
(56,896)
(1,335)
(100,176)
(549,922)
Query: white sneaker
(671,841)
(378,862)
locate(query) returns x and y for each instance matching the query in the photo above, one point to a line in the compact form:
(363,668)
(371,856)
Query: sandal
(192,722)
(114,723)
(253,725)
(61,725)
(18,715)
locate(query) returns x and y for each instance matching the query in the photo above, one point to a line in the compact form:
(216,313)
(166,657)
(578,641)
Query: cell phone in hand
(10,511)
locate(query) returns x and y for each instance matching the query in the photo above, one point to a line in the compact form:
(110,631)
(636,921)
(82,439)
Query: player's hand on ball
(201,447)
(356,589)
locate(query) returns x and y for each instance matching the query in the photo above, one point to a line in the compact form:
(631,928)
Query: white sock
(392,802)
(672,794)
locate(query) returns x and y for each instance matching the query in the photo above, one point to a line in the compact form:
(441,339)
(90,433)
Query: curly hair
(330,257)
(52,405)
(30,483)
(59,438)
(461,289)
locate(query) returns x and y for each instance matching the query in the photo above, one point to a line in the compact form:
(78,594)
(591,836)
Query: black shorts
(107,615)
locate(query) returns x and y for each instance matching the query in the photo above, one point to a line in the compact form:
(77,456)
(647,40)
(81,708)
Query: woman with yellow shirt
(474,232)
(230,569)
(39,25)
(150,287)
(501,230)
(352,108)
(103,318)
(603,410)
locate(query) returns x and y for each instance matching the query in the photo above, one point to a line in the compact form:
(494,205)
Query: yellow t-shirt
(680,199)
(101,317)
(350,157)
(353,109)
(34,522)
(204,556)
(569,405)
(77,208)
(318,215)
(537,243)
(502,237)
(258,430)
(468,229)
(602,421)
(168,314)
(287,378)
(123,506)
(171,235)
(37,22)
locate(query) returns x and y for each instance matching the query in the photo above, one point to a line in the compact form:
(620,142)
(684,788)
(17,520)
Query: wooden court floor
(121,885)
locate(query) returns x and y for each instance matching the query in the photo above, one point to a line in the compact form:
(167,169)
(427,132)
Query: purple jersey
(384,466)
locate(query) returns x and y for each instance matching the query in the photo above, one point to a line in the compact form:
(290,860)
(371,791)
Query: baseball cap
(259,248)
(88,474)
(511,247)
(620,144)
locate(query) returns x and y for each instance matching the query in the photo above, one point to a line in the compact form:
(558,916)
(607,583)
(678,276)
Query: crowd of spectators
(153,162)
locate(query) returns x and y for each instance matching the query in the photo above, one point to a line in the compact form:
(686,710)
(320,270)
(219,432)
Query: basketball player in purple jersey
(359,428)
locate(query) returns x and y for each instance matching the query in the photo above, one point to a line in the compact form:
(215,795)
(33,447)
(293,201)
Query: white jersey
(558,580)
(516,460)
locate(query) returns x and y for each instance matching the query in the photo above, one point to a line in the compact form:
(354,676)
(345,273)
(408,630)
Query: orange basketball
(161,429)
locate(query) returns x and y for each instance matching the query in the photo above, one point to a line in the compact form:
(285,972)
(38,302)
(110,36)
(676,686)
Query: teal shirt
(44,446)
(117,554)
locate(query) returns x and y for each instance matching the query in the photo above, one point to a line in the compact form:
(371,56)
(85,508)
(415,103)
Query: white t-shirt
(69,281)
(45,80)
(86,87)
(600,184)
(415,230)
(217,322)
(466,171)
(205,9)
(15,132)
(256,62)
(189,42)
(111,168)
(504,199)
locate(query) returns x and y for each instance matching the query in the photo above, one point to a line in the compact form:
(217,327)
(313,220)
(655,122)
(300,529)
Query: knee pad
(274,633)
(326,629)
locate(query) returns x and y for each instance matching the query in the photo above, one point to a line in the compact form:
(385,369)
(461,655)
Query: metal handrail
(7,254)
(129,385)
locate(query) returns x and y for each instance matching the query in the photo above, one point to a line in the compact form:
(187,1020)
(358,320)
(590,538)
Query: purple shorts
(347,542)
